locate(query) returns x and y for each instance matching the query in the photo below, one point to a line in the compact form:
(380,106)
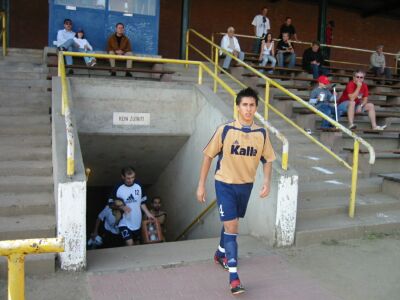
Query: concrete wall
(69,193)
(272,219)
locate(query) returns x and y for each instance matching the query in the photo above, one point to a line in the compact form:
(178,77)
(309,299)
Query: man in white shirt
(231,44)
(261,26)
(132,195)
(378,63)
(65,40)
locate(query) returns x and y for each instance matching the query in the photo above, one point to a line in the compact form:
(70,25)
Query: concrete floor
(367,268)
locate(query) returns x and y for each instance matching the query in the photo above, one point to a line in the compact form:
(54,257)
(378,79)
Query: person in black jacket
(313,60)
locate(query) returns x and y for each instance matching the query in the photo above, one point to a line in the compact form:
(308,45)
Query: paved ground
(368,268)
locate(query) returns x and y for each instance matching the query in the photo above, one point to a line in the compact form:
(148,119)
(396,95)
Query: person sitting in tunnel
(110,216)
(132,195)
(160,215)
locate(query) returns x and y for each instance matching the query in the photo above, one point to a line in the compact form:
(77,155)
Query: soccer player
(240,145)
(131,193)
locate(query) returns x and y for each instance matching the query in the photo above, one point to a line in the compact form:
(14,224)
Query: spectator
(328,39)
(119,44)
(288,28)
(132,195)
(160,215)
(354,100)
(313,60)
(84,46)
(65,41)
(267,52)
(378,63)
(231,44)
(322,98)
(111,236)
(261,26)
(285,52)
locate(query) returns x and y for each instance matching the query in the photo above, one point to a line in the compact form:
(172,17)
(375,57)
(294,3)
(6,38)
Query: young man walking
(240,146)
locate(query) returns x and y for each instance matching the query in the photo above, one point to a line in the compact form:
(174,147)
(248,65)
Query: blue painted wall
(98,24)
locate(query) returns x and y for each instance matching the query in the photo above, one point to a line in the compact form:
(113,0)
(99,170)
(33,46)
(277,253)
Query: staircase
(26,183)
(324,184)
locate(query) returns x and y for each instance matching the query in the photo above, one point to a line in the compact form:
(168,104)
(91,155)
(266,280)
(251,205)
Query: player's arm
(201,189)
(96,228)
(147,212)
(266,187)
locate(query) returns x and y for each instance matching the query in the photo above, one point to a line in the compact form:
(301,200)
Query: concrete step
(339,227)
(35,264)
(23,130)
(33,59)
(329,206)
(322,173)
(27,227)
(24,153)
(21,75)
(338,188)
(26,52)
(17,204)
(26,168)
(384,141)
(27,120)
(22,67)
(24,110)
(386,163)
(24,83)
(23,184)
(26,140)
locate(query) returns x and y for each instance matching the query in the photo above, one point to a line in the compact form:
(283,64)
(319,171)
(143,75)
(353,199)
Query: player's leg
(137,237)
(219,257)
(126,235)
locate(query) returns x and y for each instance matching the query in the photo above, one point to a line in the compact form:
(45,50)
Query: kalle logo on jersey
(248,151)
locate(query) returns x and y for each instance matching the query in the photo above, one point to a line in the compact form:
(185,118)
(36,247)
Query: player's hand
(126,209)
(265,190)
(201,194)
(151,217)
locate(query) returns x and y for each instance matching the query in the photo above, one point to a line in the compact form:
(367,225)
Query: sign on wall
(128,118)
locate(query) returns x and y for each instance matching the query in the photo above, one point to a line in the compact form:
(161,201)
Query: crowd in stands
(121,221)
(354,99)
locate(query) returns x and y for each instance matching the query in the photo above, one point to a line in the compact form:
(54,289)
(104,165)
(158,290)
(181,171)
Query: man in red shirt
(354,100)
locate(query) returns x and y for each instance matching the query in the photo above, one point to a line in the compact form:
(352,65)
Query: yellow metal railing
(16,251)
(3,32)
(201,68)
(267,106)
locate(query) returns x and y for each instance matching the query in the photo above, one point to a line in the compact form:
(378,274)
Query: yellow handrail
(4,32)
(16,250)
(197,219)
(268,83)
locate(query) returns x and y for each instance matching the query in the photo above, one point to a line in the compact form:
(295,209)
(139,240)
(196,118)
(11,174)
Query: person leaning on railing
(267,52)
(231,44)
(378,63)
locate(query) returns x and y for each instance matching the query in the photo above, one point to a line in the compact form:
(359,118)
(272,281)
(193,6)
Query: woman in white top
(267,52)
(84,46)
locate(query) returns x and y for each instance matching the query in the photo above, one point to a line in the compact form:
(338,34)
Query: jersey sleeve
(102,214)
(268,154)
(254,23)
(214,146)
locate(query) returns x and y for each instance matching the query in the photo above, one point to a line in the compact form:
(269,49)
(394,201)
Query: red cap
(323,79)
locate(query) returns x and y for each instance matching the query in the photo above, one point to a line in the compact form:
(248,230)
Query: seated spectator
(156,211)
(267,52)
(354,100)
(84,46)
(132,196)
(313,60)
(322,99)
(378,63)
(119,44)
(285,52)
(110,232)
(288,27)
(231,44)
(261,27)
(65,41)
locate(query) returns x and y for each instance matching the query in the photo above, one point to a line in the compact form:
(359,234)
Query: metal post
(266,100)
(16,276)
(200,80)
(323,6)
(354,174)
(185,25)
(212,47)
(4,31)
(187,48)
(216,70)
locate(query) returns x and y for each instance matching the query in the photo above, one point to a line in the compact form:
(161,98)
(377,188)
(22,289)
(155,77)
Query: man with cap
(322,99)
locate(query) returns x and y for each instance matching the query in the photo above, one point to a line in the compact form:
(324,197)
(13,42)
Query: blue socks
(231,250)
(221,248)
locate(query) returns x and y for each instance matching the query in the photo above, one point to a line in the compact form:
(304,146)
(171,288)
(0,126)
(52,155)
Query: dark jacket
(112,44)
(309,55)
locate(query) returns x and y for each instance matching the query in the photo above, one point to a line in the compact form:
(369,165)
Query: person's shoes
(222,261)
(308,130)
(93,63)
(352,126)
(61,49)
(380,128)
(70,72)
(236,287)
(113,73)
(271,72)
(128,74)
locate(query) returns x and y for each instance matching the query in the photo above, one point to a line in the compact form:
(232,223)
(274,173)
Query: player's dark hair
(67,21)
(317,43)
(154,198)
(287,18)
(119,23)
(249,92)
(127,171)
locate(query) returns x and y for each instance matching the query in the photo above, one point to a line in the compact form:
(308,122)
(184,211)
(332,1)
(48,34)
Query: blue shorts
(128,234)
(232,199)
(344,106)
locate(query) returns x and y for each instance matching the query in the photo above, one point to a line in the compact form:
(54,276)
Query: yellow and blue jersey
(239,150)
